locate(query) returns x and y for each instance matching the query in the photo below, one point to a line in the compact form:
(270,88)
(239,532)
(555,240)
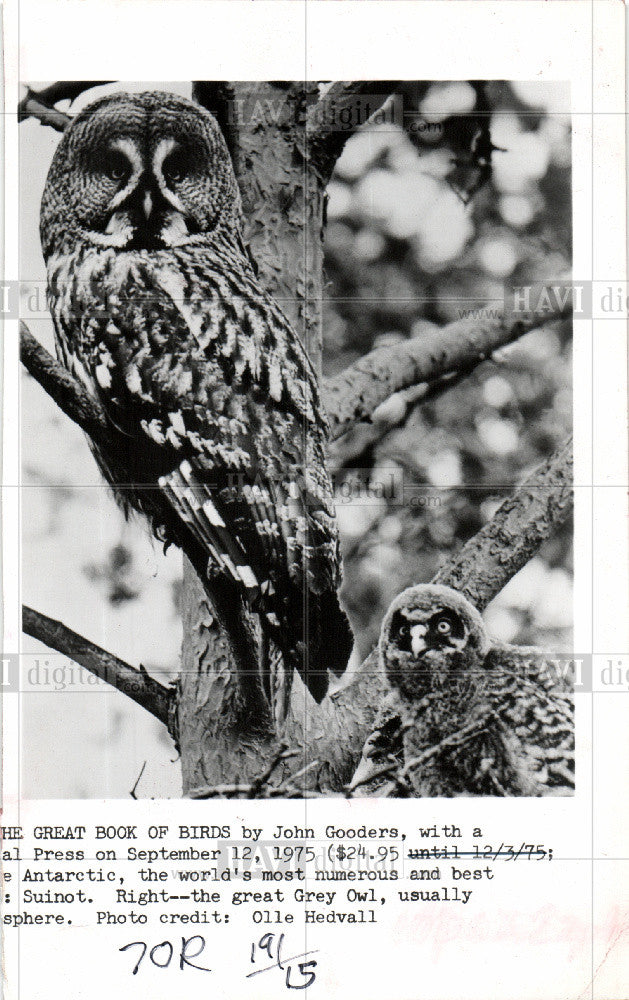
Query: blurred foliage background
(419,234)
(418,237)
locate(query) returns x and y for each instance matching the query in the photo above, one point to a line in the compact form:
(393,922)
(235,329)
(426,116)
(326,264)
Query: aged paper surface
(203,792)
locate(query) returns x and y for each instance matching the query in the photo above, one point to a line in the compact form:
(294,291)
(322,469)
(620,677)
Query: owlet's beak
(418,639)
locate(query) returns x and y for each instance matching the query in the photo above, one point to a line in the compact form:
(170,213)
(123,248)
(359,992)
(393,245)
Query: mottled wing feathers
(215,403)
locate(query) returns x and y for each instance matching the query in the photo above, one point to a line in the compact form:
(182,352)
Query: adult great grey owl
(463,715)
(217,428)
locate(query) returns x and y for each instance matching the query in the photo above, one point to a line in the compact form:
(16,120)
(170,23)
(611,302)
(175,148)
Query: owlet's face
(430,635)
(138,172)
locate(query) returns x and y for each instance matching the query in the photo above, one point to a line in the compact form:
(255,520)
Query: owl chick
(217,431)
(463,716)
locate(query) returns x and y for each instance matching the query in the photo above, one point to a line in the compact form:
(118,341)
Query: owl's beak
(147,204)
(155,225)
(418,639)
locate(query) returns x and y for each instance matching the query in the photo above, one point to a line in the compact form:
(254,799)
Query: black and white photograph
(315,662)
(296,415)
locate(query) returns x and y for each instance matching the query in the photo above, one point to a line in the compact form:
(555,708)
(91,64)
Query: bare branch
(30,107)
(355,393)
(136,684)
(67,90)
(516,531)
(283,753)
(380,772)
(67,392)
(41,103)
(325,128)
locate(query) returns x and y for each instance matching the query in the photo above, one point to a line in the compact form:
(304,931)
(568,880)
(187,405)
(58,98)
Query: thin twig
(137,782)
(256,789)
(355,450)
(236,791)
(283,753)
(380,772)
(299,774)
(136,684)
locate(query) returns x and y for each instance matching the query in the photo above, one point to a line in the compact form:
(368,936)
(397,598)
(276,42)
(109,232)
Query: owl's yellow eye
(444,627)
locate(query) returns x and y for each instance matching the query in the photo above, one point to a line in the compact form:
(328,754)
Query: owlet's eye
(444,627)
(116,167)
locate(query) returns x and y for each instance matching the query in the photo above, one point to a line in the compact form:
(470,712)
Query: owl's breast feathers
(218,430)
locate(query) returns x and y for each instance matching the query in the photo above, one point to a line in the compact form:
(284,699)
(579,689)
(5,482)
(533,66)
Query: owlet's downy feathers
(463,716)
(217,428)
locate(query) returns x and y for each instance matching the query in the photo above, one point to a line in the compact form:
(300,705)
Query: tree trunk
(283,204)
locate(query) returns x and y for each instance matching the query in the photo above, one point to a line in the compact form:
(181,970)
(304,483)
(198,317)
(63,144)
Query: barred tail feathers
(310,628)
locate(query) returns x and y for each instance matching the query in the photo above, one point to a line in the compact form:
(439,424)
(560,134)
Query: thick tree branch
(516,531)
(66,90)
(67,392)
(41,103)
(355,393)
(136,684)
(31,107)
(339,113)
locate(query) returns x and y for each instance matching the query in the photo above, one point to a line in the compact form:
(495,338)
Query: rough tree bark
(283,194)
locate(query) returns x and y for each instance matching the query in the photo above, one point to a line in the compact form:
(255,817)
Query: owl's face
(138,171)
(430,634)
